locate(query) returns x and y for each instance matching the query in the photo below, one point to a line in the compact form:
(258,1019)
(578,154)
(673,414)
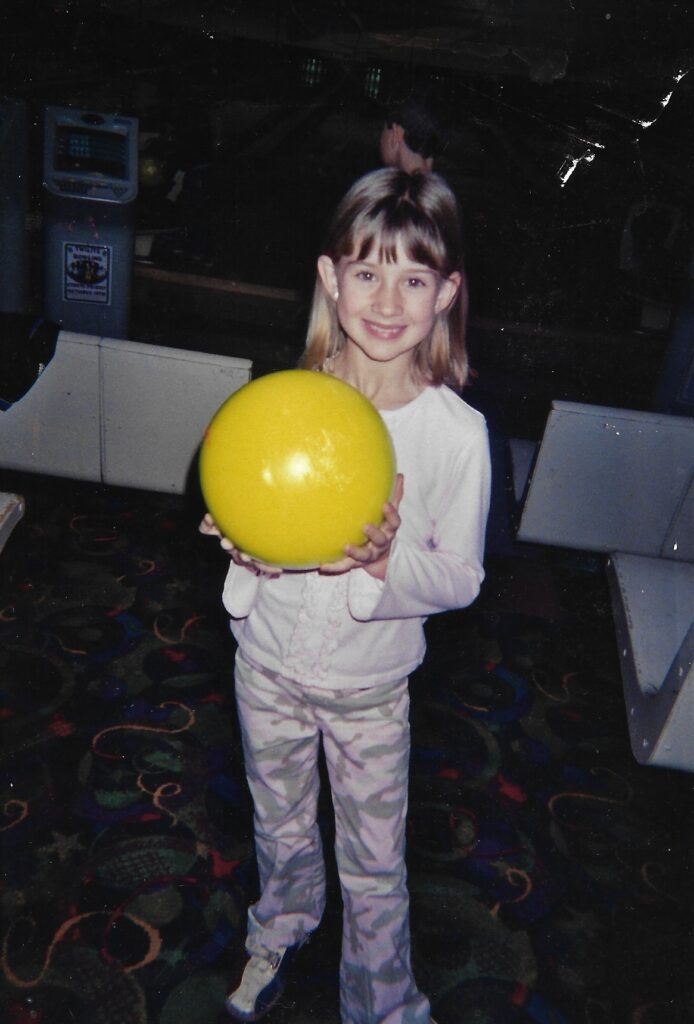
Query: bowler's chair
(11,511)
(118,412)
(621,482)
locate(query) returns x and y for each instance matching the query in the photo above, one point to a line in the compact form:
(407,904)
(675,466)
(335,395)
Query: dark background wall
(571,150)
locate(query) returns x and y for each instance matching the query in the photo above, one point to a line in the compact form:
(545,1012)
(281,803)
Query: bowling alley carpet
(551,875)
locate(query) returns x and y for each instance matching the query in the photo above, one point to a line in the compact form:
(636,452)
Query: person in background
(414,132)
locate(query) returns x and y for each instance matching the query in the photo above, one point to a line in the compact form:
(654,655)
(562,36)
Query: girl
(324,656)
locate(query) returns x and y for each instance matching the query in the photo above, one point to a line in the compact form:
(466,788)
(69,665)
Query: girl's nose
(387,299)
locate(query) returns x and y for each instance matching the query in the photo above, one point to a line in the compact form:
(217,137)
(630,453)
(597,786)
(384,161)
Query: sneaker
(261,986)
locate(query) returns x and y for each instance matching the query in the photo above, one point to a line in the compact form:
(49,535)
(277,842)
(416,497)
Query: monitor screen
(89,151)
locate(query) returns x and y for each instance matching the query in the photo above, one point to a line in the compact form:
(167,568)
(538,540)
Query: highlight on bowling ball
(294,465)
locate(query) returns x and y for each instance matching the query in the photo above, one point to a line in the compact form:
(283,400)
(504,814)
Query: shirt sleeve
(240,589)
(431,574)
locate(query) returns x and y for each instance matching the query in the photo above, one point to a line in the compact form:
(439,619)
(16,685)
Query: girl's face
(387,309)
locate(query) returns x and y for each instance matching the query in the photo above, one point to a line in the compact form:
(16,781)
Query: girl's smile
(385,331)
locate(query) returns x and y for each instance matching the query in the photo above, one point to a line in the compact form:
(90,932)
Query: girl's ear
(448,291)
(327,274)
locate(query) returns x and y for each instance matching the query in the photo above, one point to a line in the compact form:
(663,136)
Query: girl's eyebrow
(414,268)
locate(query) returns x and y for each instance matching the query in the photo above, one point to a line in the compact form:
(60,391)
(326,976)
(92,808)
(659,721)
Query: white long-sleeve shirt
(347,631)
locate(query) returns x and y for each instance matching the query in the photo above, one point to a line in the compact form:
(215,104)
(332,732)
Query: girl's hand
(373,556)
(210,529)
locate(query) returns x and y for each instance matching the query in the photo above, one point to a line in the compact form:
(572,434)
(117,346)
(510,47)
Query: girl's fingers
(252,564)
(337,568)
(377,536)
(207,525)
(391,517)
(398,490)
(264,569)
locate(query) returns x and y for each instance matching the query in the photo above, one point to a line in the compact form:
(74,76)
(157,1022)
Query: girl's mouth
(387,332)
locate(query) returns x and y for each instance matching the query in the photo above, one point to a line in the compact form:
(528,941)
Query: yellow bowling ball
(294,465)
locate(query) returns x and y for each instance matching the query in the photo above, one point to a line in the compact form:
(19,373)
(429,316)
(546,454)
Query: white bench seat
(11,511)
(621,481)
(653,608)
(118,412)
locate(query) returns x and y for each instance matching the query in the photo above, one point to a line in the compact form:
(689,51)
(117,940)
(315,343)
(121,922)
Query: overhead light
(372,83)
(312,71)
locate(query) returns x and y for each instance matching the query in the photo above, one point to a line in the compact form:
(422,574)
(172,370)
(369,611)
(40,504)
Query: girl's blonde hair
(380,209)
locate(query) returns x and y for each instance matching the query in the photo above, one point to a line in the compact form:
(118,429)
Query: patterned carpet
(551,875)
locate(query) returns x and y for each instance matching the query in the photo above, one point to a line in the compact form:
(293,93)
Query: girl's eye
(416,282)
(365,275)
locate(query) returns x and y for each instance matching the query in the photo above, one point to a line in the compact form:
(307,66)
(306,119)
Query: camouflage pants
(365,735)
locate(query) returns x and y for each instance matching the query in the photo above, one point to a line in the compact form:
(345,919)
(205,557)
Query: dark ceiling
(626,54)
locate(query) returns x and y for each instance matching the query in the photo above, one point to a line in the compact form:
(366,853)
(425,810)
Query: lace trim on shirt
(316,634)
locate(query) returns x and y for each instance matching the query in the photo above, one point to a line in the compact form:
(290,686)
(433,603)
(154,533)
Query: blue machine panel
(90,188)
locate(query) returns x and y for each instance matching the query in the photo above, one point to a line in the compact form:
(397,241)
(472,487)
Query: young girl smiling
(324,656)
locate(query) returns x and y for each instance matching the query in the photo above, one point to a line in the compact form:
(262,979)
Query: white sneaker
(261,986)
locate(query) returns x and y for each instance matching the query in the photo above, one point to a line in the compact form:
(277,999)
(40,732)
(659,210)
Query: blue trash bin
(90,172)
